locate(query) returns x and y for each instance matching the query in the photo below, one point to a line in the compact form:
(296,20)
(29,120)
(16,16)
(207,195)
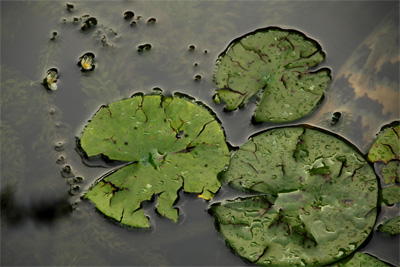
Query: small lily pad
(360,259)
(391,226)
(390,172)
(386,147)
(317,204)
(276,63)
(171,143)
(391,194)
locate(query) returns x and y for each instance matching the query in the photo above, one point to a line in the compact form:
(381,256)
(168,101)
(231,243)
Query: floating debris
(129,15)
(191,47)
(88,23)
(197,77)
(216,99)
(86,62)
(70,6)
(143,47)
(335,118)
(51,78)
(53,36)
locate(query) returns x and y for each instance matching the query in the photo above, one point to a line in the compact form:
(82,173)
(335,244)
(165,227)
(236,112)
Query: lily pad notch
(276,65)
(170,143)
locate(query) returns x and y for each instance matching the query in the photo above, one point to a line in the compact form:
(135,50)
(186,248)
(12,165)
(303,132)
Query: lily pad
(390,172)
(391,194)
(387,147)
(170,143)
(391,226)
(278,63)
(360,259)
(317,204)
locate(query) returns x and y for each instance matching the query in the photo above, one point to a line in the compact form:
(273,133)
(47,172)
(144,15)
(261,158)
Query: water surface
(43,221)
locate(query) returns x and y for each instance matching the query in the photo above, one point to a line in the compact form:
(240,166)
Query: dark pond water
(44,223)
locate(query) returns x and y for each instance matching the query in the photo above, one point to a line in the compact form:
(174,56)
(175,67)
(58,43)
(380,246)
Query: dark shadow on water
(44,211)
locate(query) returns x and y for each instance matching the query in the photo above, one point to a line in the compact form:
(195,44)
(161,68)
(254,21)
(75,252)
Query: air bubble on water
(89,23)
(144,47)
(129,14)
(60,160)
(75,189)
(335,118)
(59,146)
(78,179)
(151,20)
(66,171)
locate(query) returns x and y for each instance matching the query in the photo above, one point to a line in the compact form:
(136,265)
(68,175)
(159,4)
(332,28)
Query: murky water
(38,225)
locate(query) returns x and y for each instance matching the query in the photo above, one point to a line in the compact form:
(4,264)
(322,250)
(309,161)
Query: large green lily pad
(386,147)
(317,204)
(170,143)
(360,260)
(278,63)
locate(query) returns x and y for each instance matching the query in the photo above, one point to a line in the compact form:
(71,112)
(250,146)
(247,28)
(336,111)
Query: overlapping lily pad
(315,199)
(171,143)
(390,226)
(277,64)
(387,146)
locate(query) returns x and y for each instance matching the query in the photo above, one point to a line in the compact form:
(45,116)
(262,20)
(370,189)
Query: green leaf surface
(386,147)
(170,143)
(360,259)
(390,172)
(318,201)
(391,194)
(390,226)
(276,62)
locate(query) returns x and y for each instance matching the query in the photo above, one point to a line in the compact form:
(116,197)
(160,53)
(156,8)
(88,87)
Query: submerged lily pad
(276,62)
(387,147)
(170,142)
(317,204)
(391,226)
(360,259)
